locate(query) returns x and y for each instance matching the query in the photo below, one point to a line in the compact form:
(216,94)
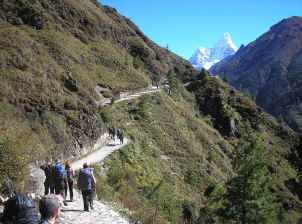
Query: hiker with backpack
(110,132)
(121,136)
(60,179)
(70,175)
(113,133)
(118,133)
(49,184)
(85,183)
(20,209)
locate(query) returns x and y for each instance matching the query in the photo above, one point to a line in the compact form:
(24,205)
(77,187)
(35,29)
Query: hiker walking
(49,184)
(85,183)
(113,133)
(60,179)
(70,175)
(109,130)
(121,137)
(118,133)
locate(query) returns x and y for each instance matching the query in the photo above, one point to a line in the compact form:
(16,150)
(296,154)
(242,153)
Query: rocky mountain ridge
(205,58)
(270,69)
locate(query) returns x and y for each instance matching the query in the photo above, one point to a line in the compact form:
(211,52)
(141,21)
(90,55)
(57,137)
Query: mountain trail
(102,213)
(100,154)
(124,95)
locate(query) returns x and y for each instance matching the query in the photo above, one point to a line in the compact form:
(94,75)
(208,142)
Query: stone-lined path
(99,154)
(101,214)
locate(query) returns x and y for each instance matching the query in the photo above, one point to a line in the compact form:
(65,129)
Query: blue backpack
(59,172)
(85,179)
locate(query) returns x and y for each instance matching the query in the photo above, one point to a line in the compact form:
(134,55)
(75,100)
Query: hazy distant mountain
(270,68)
(205,58)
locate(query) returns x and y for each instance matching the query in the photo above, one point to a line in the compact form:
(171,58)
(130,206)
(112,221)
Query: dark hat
(57,161)
(48,206)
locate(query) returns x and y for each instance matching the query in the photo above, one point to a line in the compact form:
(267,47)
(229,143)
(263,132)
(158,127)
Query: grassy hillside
(177,151)
(53,55)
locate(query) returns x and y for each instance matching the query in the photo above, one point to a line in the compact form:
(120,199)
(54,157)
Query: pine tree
(173,83)
(225,79)
(204,74)
(248,198)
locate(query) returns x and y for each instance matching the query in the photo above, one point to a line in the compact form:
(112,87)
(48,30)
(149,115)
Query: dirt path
(102,213)
(100,154)
(124,96)
(138,94)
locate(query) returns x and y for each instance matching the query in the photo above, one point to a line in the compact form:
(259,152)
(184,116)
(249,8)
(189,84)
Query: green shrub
(105,115)
(143,107)
(190,177)
(107,94)
(211,156)
(203,75)
(225,79)
(138,63)
(174,84)
(17,151)
(165,200)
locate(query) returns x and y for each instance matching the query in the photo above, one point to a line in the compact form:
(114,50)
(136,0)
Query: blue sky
(186,25)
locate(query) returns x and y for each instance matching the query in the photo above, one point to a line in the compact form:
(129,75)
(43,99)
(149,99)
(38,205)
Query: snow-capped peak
(205,58)
(225,41)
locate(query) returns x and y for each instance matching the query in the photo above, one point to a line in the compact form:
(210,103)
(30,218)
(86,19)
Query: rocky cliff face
(270,68)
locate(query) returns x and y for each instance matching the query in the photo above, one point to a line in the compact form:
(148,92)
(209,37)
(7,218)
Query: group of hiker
(58,180)
(20,208)
(116,132)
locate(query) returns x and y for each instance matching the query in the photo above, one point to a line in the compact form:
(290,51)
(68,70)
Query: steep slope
(270,69)
(53,55)
(183,145)
(206,58)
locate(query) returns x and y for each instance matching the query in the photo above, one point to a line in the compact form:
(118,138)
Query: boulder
(234,130)
(36,182)
(71,83)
